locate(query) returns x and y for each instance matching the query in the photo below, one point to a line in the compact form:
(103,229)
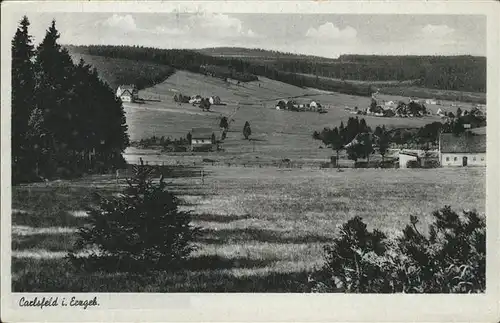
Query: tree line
(359,141)
(240,69)
(65,119)
(460,73)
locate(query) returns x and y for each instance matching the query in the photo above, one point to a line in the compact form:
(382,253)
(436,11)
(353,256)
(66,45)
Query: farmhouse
(127,93)
(214,100)
(202,139)
(465,150)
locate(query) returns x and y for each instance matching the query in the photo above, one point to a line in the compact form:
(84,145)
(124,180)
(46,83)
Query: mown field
(264,229)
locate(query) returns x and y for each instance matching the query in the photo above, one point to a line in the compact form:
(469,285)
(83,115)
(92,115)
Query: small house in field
(127,93)
(202,139)
(195,99)
(423,158)
(214,100)
(467,149)
(405,157)
(440,112)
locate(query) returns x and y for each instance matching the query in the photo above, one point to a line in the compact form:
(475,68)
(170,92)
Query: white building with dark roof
(127,93)
(467,149)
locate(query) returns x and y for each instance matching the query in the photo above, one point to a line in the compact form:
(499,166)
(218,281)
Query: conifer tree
(55,97)
(23,85)
(247,131)
(140,230)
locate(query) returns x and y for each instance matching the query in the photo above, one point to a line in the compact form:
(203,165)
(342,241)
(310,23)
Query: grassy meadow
(275,134)
(264,229)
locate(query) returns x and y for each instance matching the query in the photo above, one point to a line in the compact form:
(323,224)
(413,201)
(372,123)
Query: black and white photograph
(200,150)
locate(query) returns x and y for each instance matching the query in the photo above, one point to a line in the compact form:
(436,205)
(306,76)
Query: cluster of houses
(414,108)
(454,151)
(197,99)
(127,93)
(292,105)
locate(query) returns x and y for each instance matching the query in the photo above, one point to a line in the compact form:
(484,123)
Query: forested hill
(241,69)
(456,73)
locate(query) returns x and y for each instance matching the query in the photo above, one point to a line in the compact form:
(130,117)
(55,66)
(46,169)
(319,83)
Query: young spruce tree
(140,230)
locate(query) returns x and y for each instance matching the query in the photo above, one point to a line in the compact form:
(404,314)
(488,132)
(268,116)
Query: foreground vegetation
(450,259)
(65,120)
(263,230)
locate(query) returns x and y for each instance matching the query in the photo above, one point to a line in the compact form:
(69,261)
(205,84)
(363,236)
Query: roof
(408,153)
(124,92)
(465,143)
(127,87)
(201,133)
(420,153)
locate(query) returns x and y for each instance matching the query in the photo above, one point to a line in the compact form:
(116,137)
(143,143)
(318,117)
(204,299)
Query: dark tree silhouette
(247,131)
(23,86)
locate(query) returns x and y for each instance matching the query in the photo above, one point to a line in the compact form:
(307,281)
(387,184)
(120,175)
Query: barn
(465,150)
(202,139)
(405,157)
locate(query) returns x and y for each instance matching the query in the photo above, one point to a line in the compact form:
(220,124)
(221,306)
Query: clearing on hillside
(280,134)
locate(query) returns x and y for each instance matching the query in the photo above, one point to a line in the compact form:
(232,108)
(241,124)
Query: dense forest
(66,121)
(239,69)
(125,71)
(458,73)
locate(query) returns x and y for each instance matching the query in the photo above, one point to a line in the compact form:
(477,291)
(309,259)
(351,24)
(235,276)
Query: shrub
(413,164)
(450,259)
(138,231)
(431,164)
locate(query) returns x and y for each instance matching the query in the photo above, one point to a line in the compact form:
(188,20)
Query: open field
(277,134)
(263,228)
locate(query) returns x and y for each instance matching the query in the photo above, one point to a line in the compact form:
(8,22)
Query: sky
(327,35)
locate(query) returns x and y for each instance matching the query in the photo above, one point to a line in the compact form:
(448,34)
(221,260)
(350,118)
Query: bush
(140,230)
(450,259)
(375,164)
(431,164)
(413,164)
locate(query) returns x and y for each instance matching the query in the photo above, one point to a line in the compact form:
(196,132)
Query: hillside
(239,69)
(276,134)
(116,71)
(456,73)
(257,54)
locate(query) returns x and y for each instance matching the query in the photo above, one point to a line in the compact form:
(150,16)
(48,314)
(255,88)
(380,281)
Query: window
(455,159)
(482,158)
(474,158)
(447,158)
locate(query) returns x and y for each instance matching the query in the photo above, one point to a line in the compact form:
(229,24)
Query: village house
(464,150)
(420,156)
(214,100)
(127,93)
(202,139)
(195,99)
(405,157)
